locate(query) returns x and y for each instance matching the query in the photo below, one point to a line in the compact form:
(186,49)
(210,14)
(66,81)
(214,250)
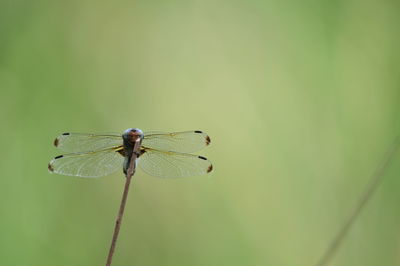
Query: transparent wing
(91,164)
(173,164)
(186,142)
(79,142)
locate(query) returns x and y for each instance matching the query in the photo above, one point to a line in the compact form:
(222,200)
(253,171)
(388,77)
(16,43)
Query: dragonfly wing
(91,164)
(80,142)
(173,164)
(186,141)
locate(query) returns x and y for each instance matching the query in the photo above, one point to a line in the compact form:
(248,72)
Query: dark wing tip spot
(198,131)
(203,158)
(59,156)
(56,142)
(210,168)
(65,134)
(208,140)
(50,167)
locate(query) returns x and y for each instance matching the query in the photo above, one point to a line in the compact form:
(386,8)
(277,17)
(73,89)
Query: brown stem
(129,174)
(375,180)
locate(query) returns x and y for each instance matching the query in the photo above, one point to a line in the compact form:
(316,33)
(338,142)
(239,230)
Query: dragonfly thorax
(132,141)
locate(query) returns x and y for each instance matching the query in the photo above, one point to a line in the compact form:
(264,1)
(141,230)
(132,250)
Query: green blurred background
(300,98)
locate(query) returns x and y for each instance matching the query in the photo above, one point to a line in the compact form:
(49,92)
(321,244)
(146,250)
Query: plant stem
(129,174)
(375,180)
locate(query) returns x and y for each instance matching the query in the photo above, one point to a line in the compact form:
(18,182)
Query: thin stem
(375,180)
(129,174)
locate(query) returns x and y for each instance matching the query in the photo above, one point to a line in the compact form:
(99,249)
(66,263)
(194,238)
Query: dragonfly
(160,154)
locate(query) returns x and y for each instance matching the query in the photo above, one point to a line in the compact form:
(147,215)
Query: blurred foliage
(300,98)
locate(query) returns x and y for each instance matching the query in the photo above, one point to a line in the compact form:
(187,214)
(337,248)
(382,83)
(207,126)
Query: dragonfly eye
(132,134)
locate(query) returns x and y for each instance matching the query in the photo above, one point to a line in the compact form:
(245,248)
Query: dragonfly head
(132,135)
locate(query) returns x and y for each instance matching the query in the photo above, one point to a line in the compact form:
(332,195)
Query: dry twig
(375,180)
(129,174)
